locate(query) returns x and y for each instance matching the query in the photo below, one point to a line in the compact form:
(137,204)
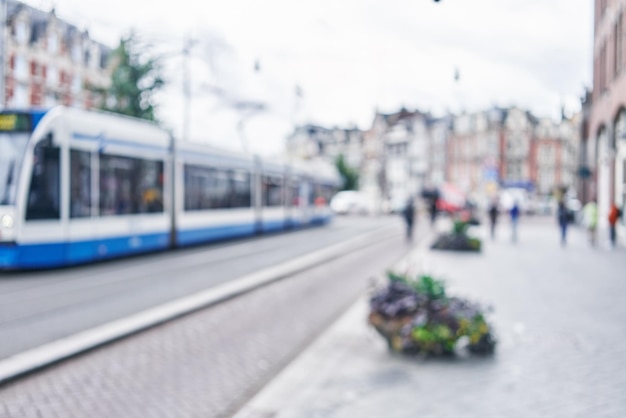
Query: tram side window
(241,191)
(44,193)
(272,191)
(328,192)
(207,188)
(80,184)
(117,178)
(150,186)
(323,193)
(218,192)
(294,193)
(193,186)
(310,194)
(130,186)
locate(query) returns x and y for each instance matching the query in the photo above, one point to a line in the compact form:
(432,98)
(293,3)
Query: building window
(53,43)
(77,84)
(21,68)
(603,68)
(77,53)
(619,45)
(21,33)
(20,97)
(94,57)
(52,76)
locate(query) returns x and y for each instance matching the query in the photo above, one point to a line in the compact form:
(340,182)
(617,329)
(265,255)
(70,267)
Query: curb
(263,403)
(37,358)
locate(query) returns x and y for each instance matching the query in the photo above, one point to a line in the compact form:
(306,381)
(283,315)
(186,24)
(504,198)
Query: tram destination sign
(14,122)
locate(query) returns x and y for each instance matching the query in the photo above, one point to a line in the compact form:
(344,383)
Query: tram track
(36,358)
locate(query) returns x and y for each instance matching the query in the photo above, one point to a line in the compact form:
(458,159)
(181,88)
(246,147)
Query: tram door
(43,233)
(292,199)
(82,223)
(306,200)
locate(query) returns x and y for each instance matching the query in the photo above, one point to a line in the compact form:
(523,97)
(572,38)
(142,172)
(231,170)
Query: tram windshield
(12,149)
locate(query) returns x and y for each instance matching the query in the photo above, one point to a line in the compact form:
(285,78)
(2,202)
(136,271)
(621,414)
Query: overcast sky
(351,57)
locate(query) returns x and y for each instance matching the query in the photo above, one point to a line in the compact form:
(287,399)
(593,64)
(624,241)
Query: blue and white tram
(78,186)
(214,194)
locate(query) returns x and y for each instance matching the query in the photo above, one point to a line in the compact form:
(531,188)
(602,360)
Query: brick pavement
(559,314)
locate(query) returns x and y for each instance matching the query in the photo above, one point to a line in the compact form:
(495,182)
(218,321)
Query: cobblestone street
(559,315)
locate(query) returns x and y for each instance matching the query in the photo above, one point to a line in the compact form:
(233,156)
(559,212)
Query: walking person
(590,214)
(433,210)
(563,217)
(493,218)
(409,218)
(614,214)
(514,212)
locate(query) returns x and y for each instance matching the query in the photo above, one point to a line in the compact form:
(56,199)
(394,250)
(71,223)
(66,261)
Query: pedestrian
(563,217)
(514,212)
(433,210)
(590,214)
(409,218)
(614,214)
(493,218)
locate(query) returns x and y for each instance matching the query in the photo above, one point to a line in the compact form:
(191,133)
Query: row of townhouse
(603,156)
(48,61)
(406,152)
(513,148)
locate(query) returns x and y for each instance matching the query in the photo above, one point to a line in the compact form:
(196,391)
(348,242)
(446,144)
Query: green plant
(475,243)
(459,228)
(425,285)
(349,175)
(415,315)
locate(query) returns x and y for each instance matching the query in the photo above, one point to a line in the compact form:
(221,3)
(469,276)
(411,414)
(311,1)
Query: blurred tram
(79,186)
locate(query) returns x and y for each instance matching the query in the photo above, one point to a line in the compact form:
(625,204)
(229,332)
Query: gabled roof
(39,21)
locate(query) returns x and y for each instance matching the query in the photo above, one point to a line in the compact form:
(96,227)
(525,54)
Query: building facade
(606,142)
(407,152)
(49,61)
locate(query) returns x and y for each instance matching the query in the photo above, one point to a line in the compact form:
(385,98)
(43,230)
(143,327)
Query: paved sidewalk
(559,316)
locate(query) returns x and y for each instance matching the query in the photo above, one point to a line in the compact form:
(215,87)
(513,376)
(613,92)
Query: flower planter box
(458,239)
(416,317)
(454,242)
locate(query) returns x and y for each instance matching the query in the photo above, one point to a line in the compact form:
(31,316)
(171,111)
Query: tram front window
(12,147)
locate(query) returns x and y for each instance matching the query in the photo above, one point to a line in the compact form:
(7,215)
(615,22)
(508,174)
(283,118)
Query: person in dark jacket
(493,218)
(514,213)
(409,218)
(563,217)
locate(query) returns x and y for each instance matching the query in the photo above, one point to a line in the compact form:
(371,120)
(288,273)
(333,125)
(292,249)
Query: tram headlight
(6,221)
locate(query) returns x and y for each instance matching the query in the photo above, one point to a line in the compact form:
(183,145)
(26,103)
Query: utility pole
(186,87)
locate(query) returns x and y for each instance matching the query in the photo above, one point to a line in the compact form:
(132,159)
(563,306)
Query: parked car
(349,202)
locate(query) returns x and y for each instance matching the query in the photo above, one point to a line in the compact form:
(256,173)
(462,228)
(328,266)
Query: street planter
(415,316)
(458,239)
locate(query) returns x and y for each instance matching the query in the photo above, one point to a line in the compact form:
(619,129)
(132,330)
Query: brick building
(49,61)
(606,141)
